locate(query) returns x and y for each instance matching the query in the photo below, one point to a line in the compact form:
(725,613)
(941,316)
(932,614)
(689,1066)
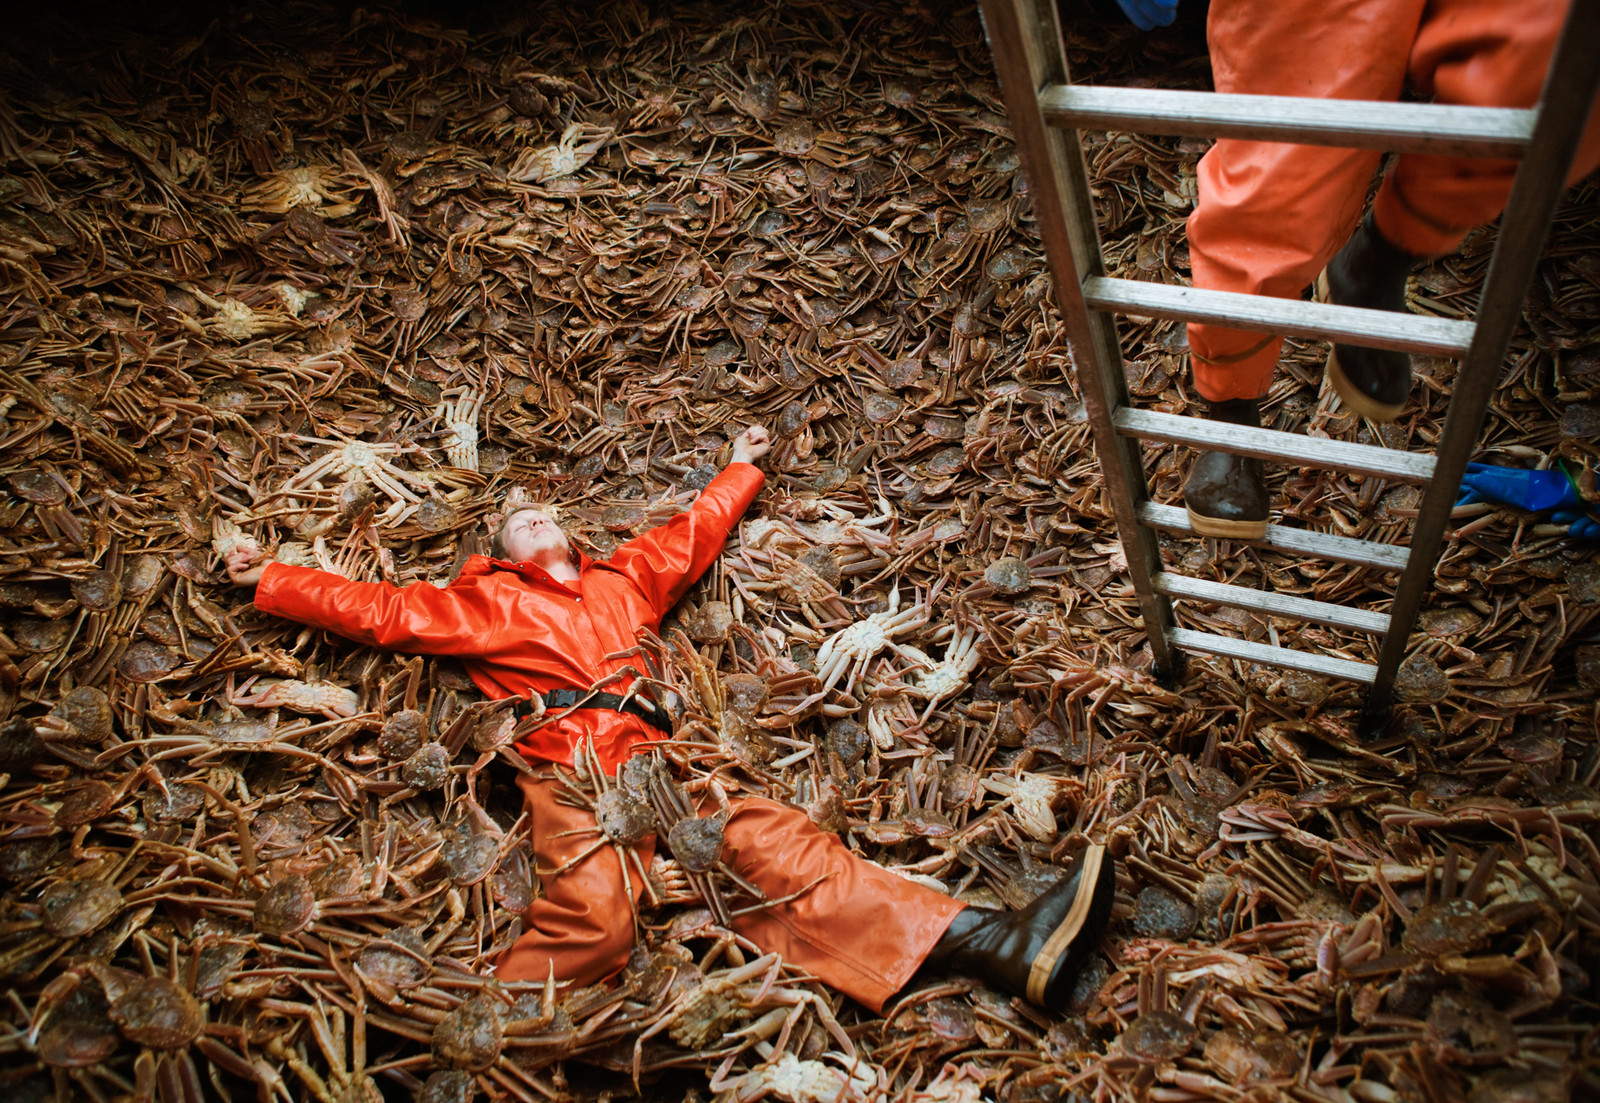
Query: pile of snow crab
(341,282)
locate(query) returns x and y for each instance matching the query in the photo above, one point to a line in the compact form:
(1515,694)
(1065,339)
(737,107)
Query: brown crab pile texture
(339,282)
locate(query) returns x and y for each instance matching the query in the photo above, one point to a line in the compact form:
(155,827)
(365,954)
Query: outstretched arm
(666,561)
(420,618)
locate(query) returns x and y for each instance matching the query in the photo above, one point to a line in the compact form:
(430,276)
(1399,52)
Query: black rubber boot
(1034,953)
(1371,272)
(1226,495)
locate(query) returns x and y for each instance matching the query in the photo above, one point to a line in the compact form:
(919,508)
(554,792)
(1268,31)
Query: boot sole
(1059,944)
(1352,398)
(1225,529)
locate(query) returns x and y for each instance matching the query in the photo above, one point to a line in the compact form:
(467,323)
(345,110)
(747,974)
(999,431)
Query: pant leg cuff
(1247,374)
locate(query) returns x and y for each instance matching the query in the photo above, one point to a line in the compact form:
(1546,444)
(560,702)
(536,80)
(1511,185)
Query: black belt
(651,713)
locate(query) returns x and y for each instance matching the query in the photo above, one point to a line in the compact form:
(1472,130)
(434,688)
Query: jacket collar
(484,564)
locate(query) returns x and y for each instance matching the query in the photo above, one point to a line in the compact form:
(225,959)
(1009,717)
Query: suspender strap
(649,712)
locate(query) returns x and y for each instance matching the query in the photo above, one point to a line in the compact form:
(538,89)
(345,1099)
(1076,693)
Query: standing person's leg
(866,931)
(1479,53)
(583,924)
(1271,214)
(1482,53)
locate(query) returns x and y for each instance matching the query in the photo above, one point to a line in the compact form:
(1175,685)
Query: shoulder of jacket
(476,567)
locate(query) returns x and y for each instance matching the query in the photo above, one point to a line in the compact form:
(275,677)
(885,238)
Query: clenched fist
(245,565)
(750,445)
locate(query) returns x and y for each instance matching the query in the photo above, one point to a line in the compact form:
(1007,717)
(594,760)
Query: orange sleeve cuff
(270,591)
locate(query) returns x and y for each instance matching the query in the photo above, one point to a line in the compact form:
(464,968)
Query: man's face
(533,534)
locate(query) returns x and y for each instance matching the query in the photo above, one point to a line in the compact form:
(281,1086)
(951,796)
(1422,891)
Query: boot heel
(1061,942)
(1226,495)
(1037,952)
(1353,399)
(1224,529)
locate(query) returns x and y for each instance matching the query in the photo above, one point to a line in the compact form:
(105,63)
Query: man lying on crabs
(539,618)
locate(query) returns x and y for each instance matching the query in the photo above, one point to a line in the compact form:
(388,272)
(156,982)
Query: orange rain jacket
(518,631)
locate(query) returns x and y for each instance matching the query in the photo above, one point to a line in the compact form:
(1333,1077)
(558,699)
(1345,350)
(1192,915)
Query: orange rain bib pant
(860,928)
(1271,215)
(518,631)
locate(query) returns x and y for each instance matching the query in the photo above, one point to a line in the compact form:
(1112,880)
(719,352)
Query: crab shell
(623,817)
(310,697)
(79,1032)
(401,960)
(428,769)
(470,1037)
(98,591)
(1237,1055)
(696,842)
(1033,802)
(73,908)
(158,1013)
(227,538)
(286,908)
(82,716)
(469,858)
(1158,1036)
(403,734)
(709,1011)
(789,1077)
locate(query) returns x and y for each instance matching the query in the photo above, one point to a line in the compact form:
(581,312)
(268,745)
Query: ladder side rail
(1564,106)
(1349,124)
(1026,42)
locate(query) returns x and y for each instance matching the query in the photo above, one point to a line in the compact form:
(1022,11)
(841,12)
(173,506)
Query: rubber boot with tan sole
(1034,953)
(1369,271)
(1226,495)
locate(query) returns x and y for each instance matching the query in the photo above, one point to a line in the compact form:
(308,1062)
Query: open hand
(244,565)
(750,445)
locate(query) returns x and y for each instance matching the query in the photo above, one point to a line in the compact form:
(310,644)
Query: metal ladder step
(1352,124)
(1384,329)
(1271,444)
(1268,655)
(1269,602)
(1291,541)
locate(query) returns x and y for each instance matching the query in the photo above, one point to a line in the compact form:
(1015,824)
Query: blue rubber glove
(1535,491)
(1147,15)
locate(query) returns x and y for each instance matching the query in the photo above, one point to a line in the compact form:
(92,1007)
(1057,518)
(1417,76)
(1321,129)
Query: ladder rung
(1384,329)
(1270,444)
(1271,602)
(1304,542)
(1350,124)
(1272,656)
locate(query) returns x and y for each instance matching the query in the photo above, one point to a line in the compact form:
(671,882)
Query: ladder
(1046,112)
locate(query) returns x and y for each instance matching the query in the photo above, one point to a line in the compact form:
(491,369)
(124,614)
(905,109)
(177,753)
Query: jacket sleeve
(420,618)
(666,561)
